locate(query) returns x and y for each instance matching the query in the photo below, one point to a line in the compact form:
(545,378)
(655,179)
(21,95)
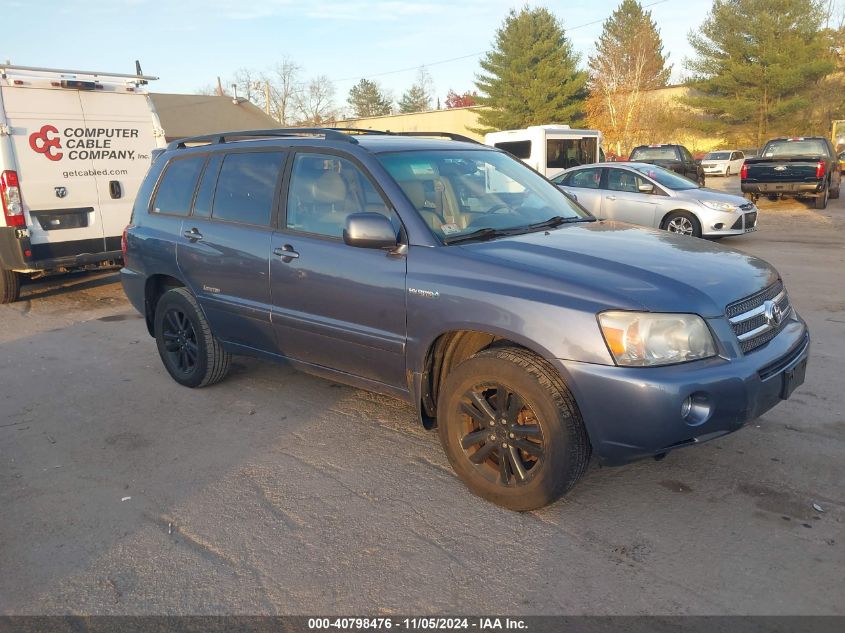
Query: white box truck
(74,148)
(550,149)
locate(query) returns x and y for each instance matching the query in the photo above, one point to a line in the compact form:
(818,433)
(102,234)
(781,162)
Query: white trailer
(74,148)
(550,149)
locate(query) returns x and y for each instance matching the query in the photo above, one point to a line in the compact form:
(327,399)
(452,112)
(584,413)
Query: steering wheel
(497,207)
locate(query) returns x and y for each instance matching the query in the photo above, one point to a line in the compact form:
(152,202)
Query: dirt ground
(278,493)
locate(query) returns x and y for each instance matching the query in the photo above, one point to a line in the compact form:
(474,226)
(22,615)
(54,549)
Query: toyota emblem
(773,313)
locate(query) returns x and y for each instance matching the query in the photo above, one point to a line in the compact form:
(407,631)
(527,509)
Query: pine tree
(531,76)
(418,97)
(367,99)
(757,63)
(629,61)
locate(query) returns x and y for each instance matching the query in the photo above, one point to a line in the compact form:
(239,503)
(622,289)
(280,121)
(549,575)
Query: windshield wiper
(480,234)
(557,220)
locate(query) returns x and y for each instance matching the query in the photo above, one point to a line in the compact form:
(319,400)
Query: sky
(188,43)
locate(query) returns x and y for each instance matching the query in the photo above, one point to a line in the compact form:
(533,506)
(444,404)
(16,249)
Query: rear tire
(190,352)
(821,201)
(834,194)
(701,180)
(682,223)
(511,429)
(10,286)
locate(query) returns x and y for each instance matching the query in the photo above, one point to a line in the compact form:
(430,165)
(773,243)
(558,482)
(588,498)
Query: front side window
(176,189)
(570,152)
(246,187)
(459,192)
(624,180)
(325,189)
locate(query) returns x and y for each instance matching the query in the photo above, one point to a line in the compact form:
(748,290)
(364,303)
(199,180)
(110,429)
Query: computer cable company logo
(43,144)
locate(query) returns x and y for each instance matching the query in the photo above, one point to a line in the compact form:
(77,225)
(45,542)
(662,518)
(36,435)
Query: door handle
(286,252)
(611,197)
(193,235)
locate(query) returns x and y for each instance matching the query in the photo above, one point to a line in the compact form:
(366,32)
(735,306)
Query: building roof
(194,115)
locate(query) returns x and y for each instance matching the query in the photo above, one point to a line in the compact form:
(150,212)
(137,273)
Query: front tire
(511,429)
(190,352)
(682,223)
(727,172)
(10,286)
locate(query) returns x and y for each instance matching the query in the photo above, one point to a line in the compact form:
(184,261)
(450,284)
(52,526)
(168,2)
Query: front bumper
(720,170)
(635,412)
(718,223)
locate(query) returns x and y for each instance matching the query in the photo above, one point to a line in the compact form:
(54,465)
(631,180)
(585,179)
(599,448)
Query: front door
(335,305)
(224,247)
(624,201)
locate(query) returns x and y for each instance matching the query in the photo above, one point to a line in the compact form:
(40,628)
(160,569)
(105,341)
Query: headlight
(720,206)
(642,339)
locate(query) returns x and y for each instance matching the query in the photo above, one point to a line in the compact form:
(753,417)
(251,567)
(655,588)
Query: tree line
(760,68)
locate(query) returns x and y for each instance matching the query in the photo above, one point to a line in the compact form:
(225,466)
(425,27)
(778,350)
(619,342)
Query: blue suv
(447,273)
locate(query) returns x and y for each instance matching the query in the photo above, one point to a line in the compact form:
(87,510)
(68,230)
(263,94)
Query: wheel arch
(447,350)
(154,287)
(665,218)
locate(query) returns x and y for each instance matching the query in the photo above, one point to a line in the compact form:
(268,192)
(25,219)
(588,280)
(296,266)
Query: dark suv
(675,157)
(448,274)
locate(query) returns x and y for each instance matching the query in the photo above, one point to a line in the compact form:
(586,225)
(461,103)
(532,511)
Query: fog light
(718,226)
(696,408)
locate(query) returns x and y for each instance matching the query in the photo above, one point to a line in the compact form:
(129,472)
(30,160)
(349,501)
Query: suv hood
(617,265)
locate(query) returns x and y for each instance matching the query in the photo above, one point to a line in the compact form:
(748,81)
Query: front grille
(748,318)
(748,218)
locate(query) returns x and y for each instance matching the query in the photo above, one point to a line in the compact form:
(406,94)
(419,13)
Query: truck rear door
(119,129)
(59,193)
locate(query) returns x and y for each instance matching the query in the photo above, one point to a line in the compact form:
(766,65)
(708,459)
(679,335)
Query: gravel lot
(279,493)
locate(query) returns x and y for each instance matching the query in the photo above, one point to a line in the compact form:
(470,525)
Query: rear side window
(246,187)
(208,182)
(176,189)
(520,149)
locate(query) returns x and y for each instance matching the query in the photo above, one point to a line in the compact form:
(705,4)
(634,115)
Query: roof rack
(63,71)
(449,135)
(327,133)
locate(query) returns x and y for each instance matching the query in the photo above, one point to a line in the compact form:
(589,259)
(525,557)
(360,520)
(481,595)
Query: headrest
(329,188)
(415,190)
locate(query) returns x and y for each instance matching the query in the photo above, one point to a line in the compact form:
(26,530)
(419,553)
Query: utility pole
(220,92)
(267,96)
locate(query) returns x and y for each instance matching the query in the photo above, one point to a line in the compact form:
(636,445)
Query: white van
(550,149)
(74,148)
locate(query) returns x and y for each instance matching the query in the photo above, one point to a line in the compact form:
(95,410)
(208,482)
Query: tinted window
(800,147)
(623,180)
(571,152)
(246,186)
(324,189)
(205,194)
(686,155)
(176,189)
(654,153)
(586,178)
(520,149)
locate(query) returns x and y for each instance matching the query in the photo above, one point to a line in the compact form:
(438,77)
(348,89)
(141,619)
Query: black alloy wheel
(180,340)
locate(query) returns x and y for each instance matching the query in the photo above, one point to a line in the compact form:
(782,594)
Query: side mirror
(369,230)
(645,187)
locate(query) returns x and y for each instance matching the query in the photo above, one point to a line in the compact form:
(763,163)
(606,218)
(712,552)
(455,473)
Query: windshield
(666,178)
(718,156)
(654,153)
(459,192)
(798,148)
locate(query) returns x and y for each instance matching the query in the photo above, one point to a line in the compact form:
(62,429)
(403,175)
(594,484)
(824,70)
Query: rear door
(58,186)
(224,247)
(119,140)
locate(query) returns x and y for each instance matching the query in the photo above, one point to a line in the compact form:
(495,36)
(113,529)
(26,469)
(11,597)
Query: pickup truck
(797,167)
(674,157)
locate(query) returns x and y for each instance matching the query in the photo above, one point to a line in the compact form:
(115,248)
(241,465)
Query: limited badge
(450,228)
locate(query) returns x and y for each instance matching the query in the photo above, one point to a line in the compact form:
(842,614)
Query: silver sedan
(648,195)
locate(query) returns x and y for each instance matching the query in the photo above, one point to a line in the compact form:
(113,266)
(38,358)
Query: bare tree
(285,90)
(316,102)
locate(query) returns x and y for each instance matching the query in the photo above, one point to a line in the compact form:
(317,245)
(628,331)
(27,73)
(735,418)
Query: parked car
(648,195)
(795,167)
(674,157)
(74,147)
(723,162)
(451,275)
